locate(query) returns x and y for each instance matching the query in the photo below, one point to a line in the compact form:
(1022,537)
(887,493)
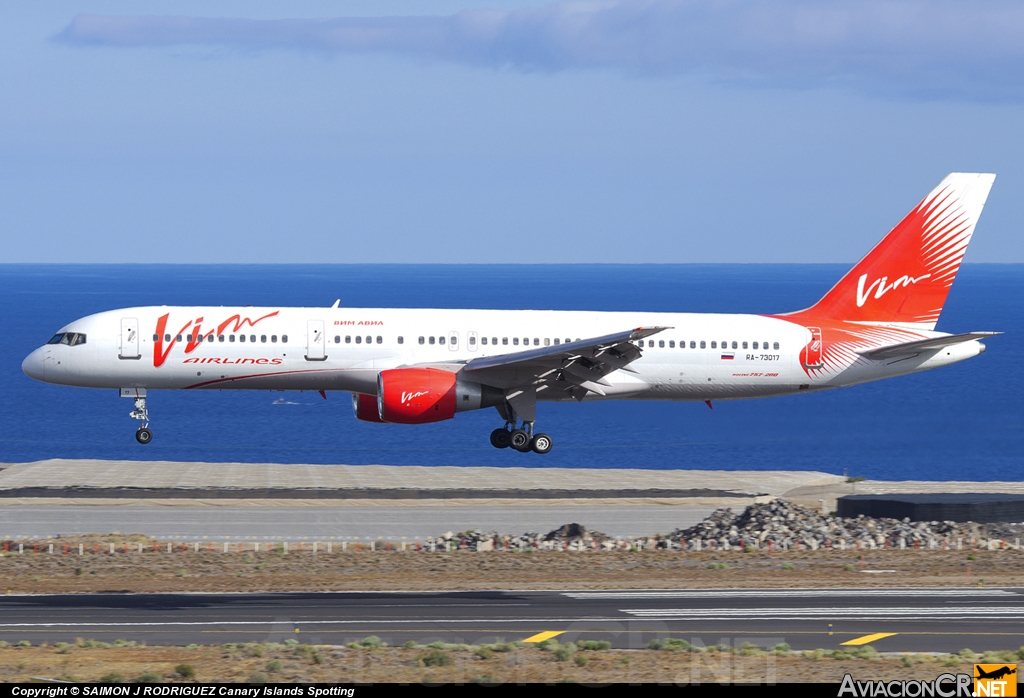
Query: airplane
(416,366)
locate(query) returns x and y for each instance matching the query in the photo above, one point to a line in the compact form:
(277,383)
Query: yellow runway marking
(541,637)
(866,639)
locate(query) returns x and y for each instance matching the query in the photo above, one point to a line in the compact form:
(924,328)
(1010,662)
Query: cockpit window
(71,339)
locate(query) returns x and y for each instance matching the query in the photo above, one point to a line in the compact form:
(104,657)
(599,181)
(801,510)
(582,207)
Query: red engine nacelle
(365,407)
(415,395)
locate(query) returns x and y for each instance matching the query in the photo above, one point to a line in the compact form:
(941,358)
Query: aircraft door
(453,341)
(812,352)
(315,341)
(472,339)
(128,342)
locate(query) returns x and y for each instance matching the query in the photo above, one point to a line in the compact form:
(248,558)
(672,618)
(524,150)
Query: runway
(336,522)
(897,620)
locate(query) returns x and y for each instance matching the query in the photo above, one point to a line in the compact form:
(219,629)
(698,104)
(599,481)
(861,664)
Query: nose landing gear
(141,413)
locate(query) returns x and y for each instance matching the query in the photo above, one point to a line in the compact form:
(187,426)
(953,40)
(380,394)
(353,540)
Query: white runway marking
(783,593)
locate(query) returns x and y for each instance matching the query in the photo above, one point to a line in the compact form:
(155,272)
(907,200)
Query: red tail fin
(905,279)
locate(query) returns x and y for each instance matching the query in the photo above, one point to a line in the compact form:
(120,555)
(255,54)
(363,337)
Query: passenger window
(156,338)
(693,344)
(775,346)
(252,338)
(348,339)
(725,345)
(337,339)
(483,340)
(472,341)
(744,345)
(380,340)
(547,342)
(188,337)
(526,341)
(734,345)
(714,345)
(369,340)
(220,338)
(241,338)
(567,340)
(273,339)
(557,341)
(504,340)
(263,339)
(199,338)
(284,338)
(359,340)
(454,340)
(421,340)
(440,340)
(231,338)
(661,343)
(702,345)
(754,345)
(765,345)
(515,340)
(494,341)
(536,342)
(401,339)
(431,340)
(671,344)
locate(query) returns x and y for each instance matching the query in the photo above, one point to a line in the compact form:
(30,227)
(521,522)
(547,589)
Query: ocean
(961,422)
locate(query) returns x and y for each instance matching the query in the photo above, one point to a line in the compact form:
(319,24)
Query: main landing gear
(143,435)
(520,438)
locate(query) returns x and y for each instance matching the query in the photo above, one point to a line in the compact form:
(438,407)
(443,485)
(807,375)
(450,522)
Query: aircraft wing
(575,368)
(916,347)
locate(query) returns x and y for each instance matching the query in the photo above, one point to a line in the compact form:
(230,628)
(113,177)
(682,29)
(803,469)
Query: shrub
(562,653)
(749,649)
(781,649)
(436,657)
(411,644)
(669,644)
(856,478)
(371,642)
(483,652)
(258,678)
(255,650)
(788,566)
(581,660)
(1020,652)
(78,571)
(717,566)
(112,677)
(594,645)
(185,671)
(485,680)
(24,643)
(813,654)
(148,677)
(273,667)
(849,568)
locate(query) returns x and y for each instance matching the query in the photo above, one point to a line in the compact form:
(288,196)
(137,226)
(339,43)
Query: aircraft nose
(34,365)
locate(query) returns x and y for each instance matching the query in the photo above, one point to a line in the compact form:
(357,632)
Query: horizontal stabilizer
(911,348)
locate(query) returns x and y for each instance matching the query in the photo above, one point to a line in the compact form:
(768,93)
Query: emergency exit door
(128,343)
(315,341)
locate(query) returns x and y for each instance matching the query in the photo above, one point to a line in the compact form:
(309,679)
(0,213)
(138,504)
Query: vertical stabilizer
(905,279)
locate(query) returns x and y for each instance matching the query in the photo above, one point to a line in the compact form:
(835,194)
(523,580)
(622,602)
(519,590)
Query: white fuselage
(701,356)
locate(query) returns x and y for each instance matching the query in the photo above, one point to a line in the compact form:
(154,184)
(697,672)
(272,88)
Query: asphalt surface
(336,522)
(920,620)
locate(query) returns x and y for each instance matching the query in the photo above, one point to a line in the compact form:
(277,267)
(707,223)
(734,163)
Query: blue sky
(640,131)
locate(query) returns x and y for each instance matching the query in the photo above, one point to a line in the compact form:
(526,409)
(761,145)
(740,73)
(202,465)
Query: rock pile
(787,525)
(571,536)
(779,524)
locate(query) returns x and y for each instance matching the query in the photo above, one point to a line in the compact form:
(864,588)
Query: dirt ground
(490,664)
(36,570)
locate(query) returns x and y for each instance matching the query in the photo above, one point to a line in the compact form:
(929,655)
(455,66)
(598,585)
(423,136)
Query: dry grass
(512,663)
(394,571)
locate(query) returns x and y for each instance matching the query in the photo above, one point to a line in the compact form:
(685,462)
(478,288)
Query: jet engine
(365,408)
(423,395)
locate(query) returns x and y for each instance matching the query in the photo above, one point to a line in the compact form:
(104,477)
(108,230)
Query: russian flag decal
(728,356)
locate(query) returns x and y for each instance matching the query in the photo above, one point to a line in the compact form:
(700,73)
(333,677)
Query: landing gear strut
(520,438)
(141,413)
